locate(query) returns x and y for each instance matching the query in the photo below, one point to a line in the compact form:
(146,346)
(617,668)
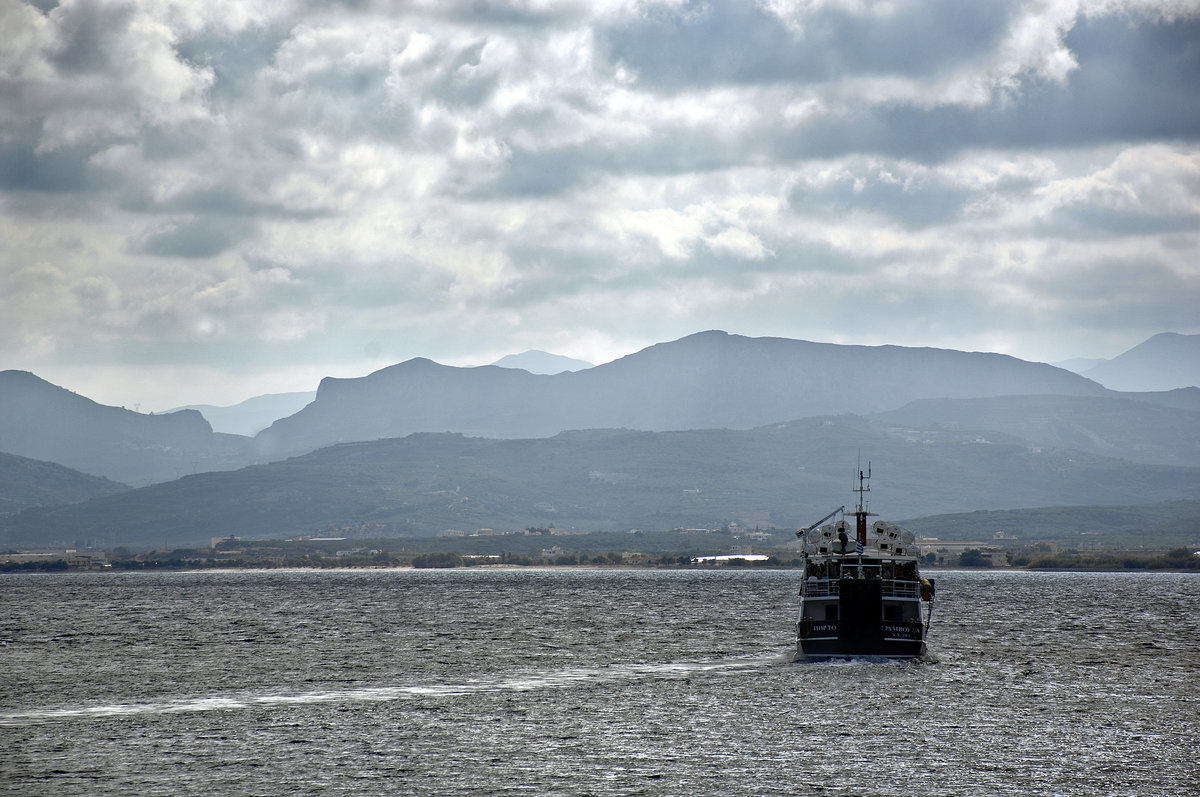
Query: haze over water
(586,682)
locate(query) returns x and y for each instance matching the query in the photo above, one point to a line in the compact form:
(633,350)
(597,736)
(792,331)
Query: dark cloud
(507,13)
(222,200)
(701,44)
(23,168)
(194,237)
(453,77)
(89,35)
(540,173)
(1133,83)
(237,59)
(915,202)
(1088,220)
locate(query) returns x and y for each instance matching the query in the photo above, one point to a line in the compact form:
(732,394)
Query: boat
(864,598)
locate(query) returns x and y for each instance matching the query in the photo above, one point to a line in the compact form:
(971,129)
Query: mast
(860,514)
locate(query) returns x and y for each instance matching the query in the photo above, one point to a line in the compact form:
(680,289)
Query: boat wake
(561,679)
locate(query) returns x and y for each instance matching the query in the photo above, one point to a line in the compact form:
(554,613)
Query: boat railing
(828,587)
(894,588)
(820,587)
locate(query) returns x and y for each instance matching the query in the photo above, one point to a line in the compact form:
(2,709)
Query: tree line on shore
(1177,559)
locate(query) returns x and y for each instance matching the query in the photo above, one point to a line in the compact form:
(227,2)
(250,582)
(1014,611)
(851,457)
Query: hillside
(710,380)
(26,483)
(1159,525)
(1108,426)
(46,422)
(783,475)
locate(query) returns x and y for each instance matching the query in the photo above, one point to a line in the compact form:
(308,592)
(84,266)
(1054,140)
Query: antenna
(860,514)
(863,486)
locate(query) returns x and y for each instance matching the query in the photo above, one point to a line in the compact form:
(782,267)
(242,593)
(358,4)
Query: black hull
(860,631)
(825,649)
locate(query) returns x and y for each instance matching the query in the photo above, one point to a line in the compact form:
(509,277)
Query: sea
(587,682)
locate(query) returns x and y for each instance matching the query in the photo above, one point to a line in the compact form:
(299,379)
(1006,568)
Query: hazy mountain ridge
(1165,361)
(783,475)
(46,422)
(708,380)
(704,381)
(249,417)
(536,361)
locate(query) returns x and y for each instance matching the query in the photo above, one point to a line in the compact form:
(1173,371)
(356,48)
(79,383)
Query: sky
(206,201)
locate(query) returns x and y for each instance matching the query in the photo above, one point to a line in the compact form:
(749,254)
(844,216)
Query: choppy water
(586,682)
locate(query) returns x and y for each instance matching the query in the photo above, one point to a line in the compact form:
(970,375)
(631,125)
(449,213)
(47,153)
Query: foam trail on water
(560,679)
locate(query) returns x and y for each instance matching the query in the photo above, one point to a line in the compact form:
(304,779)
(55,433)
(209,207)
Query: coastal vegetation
(661,550)
(1174,559)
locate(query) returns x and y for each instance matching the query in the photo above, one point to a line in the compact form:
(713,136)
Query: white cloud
(265,183)
(1156,183)
(28,36)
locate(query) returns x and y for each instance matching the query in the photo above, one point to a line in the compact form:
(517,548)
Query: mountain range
(710,380)
(707,380)
(1164,362)
(700,431)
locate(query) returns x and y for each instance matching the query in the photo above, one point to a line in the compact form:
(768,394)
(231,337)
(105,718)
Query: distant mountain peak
(1164,361)
(536,361)
(1163,341)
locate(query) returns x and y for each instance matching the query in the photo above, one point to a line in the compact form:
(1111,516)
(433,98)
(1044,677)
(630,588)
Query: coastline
(544,568)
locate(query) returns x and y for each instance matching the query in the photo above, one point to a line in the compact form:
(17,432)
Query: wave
(526,682)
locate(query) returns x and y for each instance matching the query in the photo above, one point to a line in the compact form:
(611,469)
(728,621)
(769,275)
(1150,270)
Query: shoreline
(547,568)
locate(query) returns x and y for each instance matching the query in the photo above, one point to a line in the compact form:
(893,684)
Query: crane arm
(803,531)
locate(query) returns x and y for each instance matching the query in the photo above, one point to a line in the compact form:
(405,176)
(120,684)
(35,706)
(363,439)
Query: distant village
(730,546)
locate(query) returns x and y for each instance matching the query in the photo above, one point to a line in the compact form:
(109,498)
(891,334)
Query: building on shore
(950,553)
(71,558)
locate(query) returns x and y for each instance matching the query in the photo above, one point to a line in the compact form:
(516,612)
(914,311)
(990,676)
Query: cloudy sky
(203,201)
